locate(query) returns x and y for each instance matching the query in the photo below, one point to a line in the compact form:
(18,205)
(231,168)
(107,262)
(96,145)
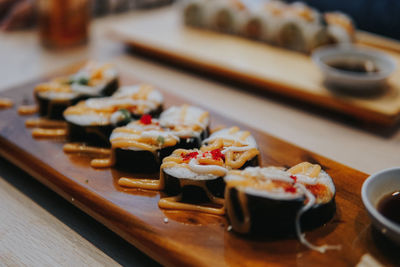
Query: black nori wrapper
(318,215)
(215,186)
(144,161)
(91,135)
(140,161)
(193,142)
(53,109)
(267,216)
(173,186)
(274,217)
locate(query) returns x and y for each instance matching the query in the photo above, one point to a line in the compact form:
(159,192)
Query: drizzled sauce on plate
(389,206)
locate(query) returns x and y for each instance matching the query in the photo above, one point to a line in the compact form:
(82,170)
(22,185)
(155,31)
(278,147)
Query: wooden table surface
(39,228)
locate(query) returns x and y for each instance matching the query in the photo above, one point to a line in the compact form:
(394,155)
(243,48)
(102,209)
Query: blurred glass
(64,23)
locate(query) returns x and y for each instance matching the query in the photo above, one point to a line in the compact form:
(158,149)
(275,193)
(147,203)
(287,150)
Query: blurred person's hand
(16,14)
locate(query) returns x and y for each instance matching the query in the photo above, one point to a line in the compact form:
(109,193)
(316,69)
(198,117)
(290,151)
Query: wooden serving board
(161,33)
(188,238)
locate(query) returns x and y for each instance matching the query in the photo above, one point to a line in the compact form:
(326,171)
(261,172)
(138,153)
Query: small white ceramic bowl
(325,56)
(374,188)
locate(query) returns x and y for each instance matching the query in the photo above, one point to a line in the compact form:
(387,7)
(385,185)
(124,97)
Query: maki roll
(189,123)
(238,147)
(297,24)
(93,80)
(225,16)
(340,27)
(93,120)
(196,176)
(255,23)
(146,142)
(194,12)
(141,145)
(275,202)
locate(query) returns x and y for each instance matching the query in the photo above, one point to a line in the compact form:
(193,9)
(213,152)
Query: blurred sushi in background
(293,26)
(341,28)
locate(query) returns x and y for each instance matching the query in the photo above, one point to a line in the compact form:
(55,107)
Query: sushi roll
(193,12)
(140,146)
(93,80)
(238,147)
(272,15)
(196,176)
(255,23)
(296,21)
(189,123)
(93,120)
(315,35)
(225,16)
(275,202)
(341,28)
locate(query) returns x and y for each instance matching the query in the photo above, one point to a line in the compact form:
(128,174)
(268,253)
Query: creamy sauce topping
(237,146)
(139,136)
(27,109)
(227,149)
(256,180)
(6,103)
(90,80)
(185,121)
(139,99)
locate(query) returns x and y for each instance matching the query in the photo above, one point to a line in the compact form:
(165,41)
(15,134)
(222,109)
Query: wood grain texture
(160,33)
(190,238)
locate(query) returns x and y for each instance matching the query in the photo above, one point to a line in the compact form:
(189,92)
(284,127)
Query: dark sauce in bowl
(389,206)
(360,67)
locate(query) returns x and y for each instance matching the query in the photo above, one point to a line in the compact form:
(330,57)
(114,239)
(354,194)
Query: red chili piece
(216,154)
(294,177)
(189,156)
(290,189)
(146,119)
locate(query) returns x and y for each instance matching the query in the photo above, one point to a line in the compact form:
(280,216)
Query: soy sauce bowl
(373,190)
(378,66)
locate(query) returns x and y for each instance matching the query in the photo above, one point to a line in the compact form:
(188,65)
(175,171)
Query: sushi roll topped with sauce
(141,145)
(276,202)
(189,123)
(93,80)
(238,147)
(94,119)
(139,99)
(194,179)
(197,175)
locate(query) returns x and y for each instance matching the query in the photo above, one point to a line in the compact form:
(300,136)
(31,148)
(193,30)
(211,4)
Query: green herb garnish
(83,81)
(125,117)
(78,80)
(160,140)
